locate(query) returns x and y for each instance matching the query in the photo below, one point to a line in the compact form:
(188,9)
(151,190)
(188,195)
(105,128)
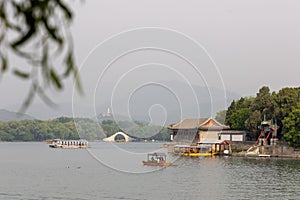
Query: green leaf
(28,99)
(67,11)
(3,63)
(52,32)
(24,38)
(69,63)
(20,74)
(45,98)
(55,79)
(78,82)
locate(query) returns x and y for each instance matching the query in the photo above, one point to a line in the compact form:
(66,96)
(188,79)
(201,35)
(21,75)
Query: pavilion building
(195,131)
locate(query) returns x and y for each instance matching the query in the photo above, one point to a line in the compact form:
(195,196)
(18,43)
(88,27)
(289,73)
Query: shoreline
(243,155)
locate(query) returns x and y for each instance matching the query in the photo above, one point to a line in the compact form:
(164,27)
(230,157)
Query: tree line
(38,130)
(73,129)
(138,130)
(282,107)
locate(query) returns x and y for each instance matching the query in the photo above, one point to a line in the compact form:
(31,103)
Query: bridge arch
(113,137)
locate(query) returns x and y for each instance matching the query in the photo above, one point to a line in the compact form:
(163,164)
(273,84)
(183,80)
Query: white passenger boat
(68,144)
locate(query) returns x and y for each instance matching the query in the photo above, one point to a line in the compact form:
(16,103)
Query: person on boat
(160,159)
(157,159)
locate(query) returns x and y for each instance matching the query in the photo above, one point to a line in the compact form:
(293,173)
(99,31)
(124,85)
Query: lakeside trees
(37,130)
(292,127)
(138,129)
(282,107)
(65,128)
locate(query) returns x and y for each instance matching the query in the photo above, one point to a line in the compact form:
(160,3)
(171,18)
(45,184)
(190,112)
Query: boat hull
(67,146)
(154,163)
(198,154)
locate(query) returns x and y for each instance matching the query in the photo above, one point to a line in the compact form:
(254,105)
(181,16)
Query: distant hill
(13,116)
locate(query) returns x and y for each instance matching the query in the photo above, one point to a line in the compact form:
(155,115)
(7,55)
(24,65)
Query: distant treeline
(138,130)
(69,128)
(282,107)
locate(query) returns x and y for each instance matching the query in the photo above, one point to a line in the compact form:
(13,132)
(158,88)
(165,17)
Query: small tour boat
(157,159)
(68,144)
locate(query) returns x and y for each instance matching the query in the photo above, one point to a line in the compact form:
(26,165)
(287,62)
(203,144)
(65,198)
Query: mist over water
(34,171)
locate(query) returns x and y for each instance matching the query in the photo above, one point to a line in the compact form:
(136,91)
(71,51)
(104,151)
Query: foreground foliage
(38,33)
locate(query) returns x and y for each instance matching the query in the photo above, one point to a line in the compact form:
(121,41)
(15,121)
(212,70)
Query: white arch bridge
(113,137)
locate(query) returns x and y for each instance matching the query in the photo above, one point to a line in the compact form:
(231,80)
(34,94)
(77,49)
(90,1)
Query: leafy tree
(221,116)
(243,102)
(163,135)
(238,118)
(291,125)
(286,99)
(109,127)
(264,103)
(64,128)
(64,119)
(136,129)
(87,129)
(6,136)
(108,122)
(36,130)
(277,106)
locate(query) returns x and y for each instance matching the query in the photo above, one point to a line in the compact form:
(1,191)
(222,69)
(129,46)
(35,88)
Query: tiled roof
(200,123)
(188,123)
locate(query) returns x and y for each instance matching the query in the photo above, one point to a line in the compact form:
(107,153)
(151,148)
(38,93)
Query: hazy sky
(252,42)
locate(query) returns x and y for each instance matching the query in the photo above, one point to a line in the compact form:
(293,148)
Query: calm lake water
(109,171)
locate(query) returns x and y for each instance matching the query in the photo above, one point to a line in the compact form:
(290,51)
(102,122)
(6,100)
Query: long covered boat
(68,144)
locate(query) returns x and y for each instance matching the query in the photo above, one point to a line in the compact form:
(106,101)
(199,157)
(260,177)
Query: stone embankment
(283,151)
(280,151)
